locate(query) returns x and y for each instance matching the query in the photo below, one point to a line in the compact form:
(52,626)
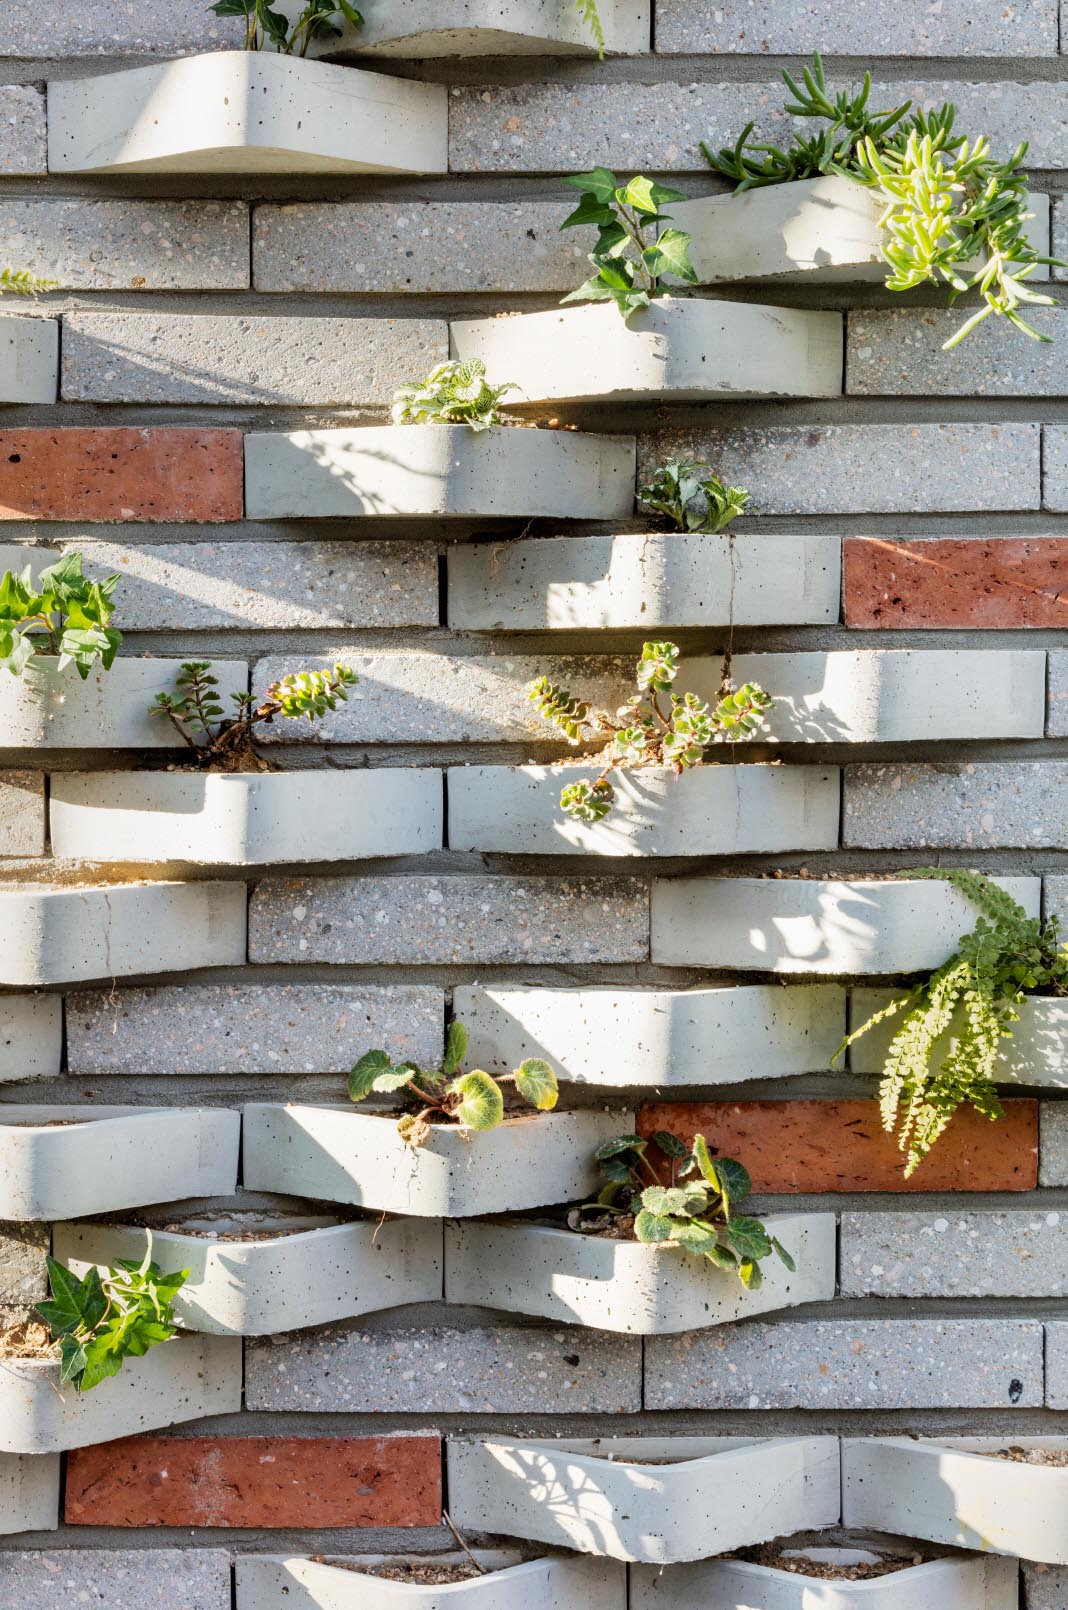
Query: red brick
(256,1481)
(953,582)
(122,474)
(815,1146)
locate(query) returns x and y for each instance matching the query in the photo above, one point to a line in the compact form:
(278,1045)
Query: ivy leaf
(481,1105)
(536,1083)
(590,211)
(600,182)
(671,255)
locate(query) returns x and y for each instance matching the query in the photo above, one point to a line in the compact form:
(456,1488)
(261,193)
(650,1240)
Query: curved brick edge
(418,29)
(31,1037)
(29,359)
(46,708)
(555,1583)
(29,1493)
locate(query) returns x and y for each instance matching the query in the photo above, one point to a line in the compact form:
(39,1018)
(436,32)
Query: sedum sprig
(454,393)
(635,255)
(691,497)
(20,282)
(107,1316)
(195,711)
(64,614)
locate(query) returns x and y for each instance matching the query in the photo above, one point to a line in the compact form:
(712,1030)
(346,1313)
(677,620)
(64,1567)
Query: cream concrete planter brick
(414,29)
(245,820)
(31,1037)
(558,1582)
(29,359)
(947,1584)
(335,1154)
(598,1496)
(448,471)
(48,709)
(526,1268)
(256,112)
(183,1379)
(259,1287)
(823,229)
(29,1492)
(616,1036)
(1036,1053)
(650,579)
(719,809)
(57,935)
(809,925)
(678,349)
(65,1162)
(945,1490)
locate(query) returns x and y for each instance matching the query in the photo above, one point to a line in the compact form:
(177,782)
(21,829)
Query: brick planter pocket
(678,349)
(183,1379)
(212,819)
(256,112)
(29,360)
(1036,1053)
(263,1287)
(335,1154)
(598,1497)
(278,1582)
(46,708)
(29,1493)
(557,1274)
(65,1162)
(419,29)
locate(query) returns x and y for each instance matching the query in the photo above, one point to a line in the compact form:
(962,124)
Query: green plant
(64,614)
(473,1099)
(694,1208)
(952,214)
(973,997)
(691,497)
(20,282)
(452,394)
(635,255)
(195,711)
(104,1318)
(317,19)
(643,732)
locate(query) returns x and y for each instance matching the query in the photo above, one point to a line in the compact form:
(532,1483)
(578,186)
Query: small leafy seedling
(694,1209)
(104,1318)
(691,497)
(20,282)
(473,1099)
(220,740)
(264,28)
(452,394)
(644,732)
(64,615)
(635,255)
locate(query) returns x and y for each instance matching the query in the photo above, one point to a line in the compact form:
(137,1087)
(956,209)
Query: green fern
(587,10)
(20,282)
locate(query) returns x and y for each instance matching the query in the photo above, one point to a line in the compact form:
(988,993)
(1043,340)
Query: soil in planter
(42,1123)
(825,1570)
(30,1339)
(1052,1458)
(428,1574)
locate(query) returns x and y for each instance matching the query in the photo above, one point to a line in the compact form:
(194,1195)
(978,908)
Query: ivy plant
(645,731)
(108,1316)
(953,214)
(454,393)
(473,1099)
(945,1051)
(20,282)
(636,255)
(694,1208)
(691,497)
(267,29)
(63,615)
(195,711)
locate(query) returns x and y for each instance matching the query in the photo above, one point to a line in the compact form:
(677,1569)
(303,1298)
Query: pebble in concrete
(90,245)
(950,28)
(22,813)
(23,142)
(151,1579)
(954,1254)
(974,803)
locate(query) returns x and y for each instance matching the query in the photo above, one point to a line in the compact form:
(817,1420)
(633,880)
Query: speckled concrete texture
(1055,898)
(1057,1371)
(103,28)
(22,813)
(23,145)
(1053,1144)
(783,27)
(22,1264)
(148,1578)
(955,1254)
(87,244)
(1057,695)
(963,804)
(442,920)
(897,352)
(1045,1586)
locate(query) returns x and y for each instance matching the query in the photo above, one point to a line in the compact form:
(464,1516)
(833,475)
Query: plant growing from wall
(226,742)
(695,1207)
(268,29)
(645,731)
(636,255)
(952,214)
(20,282)
(973,998)
(453,393)
(473,1099)
(106,1317)
(691,497)
(63,615)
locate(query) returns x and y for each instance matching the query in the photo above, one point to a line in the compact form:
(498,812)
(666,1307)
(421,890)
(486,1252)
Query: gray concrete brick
(23,1279)
(954,1254)
(1059,219)
(488,1369)
(22,813)
(1045,1586)
(1053,1143)
(1057,694)
(1055,467)
(90,245)
(867,469)
(567,127)
(897,352)
(785,28)
(152,1579)
(243,1028)
(1055,899)
(104,28)
(1013,804)
(848,1364)
(449,920)
(181,358)
(23,137)
(454,246)
(1057,1375)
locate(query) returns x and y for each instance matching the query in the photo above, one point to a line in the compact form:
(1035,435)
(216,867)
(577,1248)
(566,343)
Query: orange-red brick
(170,473)
(950,582)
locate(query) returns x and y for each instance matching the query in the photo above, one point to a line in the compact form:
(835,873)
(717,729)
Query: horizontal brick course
(849,1364)
(443,920)
(1057,709)
(897,352)
(147,1578)
(256,1481)
(955,582)
(90,245)
(768,27)
(812,1146)
(22,813)
(954,1254)
(972,804)
(99,28)
(23,139)
(171,473)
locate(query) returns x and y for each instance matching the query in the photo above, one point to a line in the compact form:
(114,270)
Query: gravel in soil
(827,1570)
(421,1573)
(30,1339)
(1052,1458)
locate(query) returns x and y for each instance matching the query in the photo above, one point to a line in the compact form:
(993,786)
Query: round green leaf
(536,1083)
(481,1104)
(363,1075)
